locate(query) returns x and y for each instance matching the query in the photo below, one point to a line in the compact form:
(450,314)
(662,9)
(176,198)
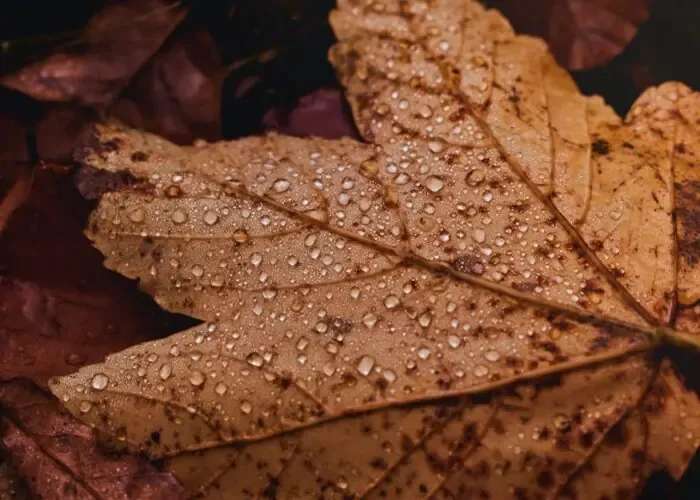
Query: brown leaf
(95,69)
(58,457)
(474,304)
(583,34)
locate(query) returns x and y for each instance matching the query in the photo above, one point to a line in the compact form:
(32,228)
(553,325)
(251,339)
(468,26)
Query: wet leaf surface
(470,303)
(58,457)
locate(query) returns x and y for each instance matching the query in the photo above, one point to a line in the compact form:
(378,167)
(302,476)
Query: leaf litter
(468,305)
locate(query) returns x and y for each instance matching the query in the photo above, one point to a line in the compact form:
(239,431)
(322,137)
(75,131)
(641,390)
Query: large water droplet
(492,355)
(255,359)
(137,216)
(434,184)
(99,381)
(391,301)
(425,319)
(246,407)
(365,365)
(220,389)
(281,185)
(85,406)
(369,320)
(197,270)
(165,371)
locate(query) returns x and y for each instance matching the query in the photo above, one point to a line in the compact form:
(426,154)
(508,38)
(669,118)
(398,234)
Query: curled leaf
(470,304)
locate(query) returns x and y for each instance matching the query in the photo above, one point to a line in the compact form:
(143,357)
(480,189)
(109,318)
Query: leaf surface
(470,304)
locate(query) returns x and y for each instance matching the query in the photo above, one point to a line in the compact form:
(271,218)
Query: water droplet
(137,216)
(453,341)
(369,320)
(217,281)
(210,217)
(423,353)
(425,111)
(436,146)
(179,216)
(389,375)
(302,343)
(481,371)
(561,422)
(85,406)
(220,389)
(434,184)
(255,359)
(425,319)
(391,301)
(492,355)
(197,378)
(479,235)
(165,371)
(476,177)
(99,381)
(246,407)
(240,236)
(256,259)
(197,270)
(365,365)
(281,185)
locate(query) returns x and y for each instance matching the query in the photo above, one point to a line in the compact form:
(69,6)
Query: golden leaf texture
(469,306)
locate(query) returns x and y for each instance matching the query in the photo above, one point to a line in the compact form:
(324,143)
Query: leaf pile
(470,305)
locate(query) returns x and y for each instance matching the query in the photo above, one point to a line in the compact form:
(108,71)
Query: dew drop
(425,319)
(481,371)
(479,235)
(179,216)
(369,320)
(389,375)
(475,177)
(165,371)
(365,365)
(197,270)
(210,217)
(424,353)
(220,389)
(436,146)
(492,356)
(197,378)
(137,216)
(434,184)
(255,359)
(391,301)
(240,236)
(425,111)
(246,407)
(99,381)
(453,341)
(281,185)
(256,259)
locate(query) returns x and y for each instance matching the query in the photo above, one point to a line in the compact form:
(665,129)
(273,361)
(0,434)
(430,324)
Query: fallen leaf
(583,34)
(94,69)
(59,307)
(178,93)
(323,113)
(474,304)
(58,457)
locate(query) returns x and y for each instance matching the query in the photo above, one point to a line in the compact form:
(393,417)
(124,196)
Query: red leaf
(59,458)
(582,33)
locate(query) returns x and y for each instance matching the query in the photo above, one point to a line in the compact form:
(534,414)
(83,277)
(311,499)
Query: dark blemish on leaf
(155,437)
(139,156)
(544,479)
(600,147)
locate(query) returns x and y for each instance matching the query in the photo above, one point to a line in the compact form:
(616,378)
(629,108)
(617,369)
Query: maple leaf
(472,304)
(58,457)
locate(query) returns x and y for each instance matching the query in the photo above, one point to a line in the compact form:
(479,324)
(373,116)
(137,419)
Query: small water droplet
(481,371)
(179,216)
(434,184)
(453,341)
(197,378)
(211,218)
(389,375)
(492,355)
(255,359)
(137,216)
(197,270)
(369,320)
(391,301)
(240,236)
(365,365)
(220,389)
(281,185)
(476,177)
(85,406)
(165,371)
(436,146)
(479,235)
(425,319)
(246,407)
(423,353)
(256,259)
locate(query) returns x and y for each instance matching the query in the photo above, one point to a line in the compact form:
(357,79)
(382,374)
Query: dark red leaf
(59,458)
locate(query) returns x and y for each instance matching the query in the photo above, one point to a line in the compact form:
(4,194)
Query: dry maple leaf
(469,306)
